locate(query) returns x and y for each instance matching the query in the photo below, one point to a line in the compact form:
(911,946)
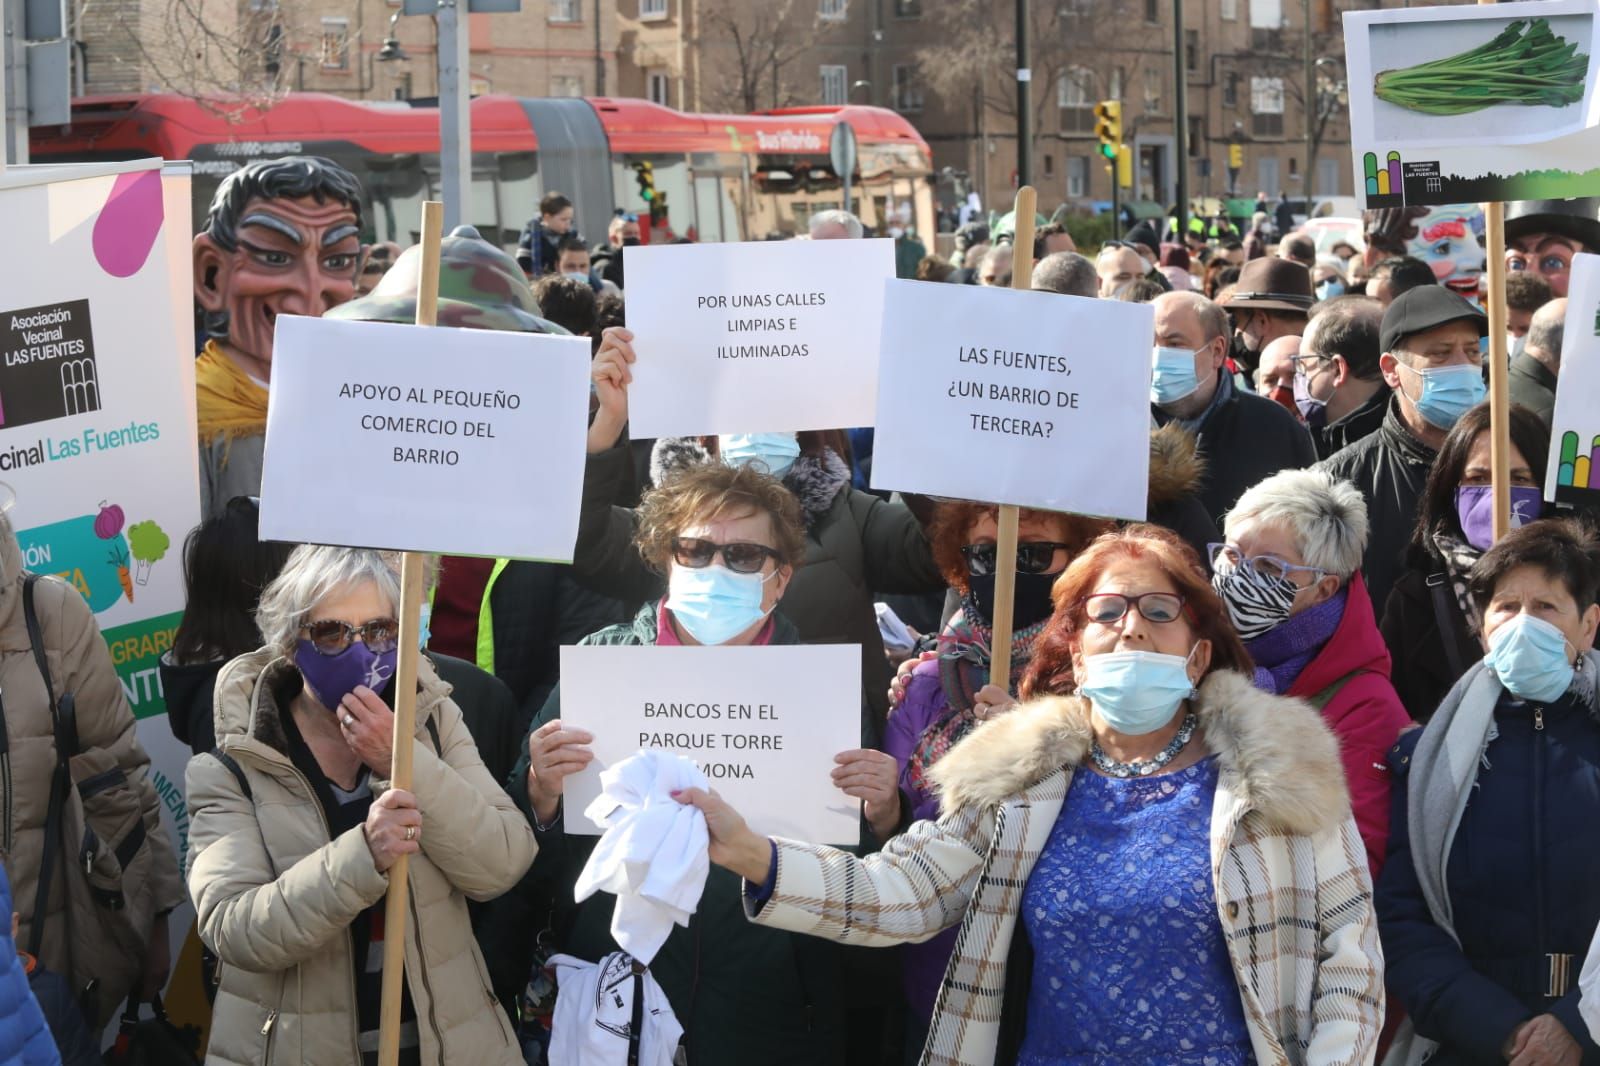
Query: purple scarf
(1285,650)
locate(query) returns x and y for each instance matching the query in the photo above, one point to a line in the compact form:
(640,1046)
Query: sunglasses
(1158,607)
(331,637)
(1033,557)
(742,557)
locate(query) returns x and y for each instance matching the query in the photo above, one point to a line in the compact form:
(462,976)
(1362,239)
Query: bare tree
(760,42)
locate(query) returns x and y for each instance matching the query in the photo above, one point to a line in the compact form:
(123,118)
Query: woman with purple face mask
(1429,624)
(294,827)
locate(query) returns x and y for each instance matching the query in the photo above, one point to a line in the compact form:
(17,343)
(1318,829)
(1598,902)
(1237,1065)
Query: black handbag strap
(1444,620)
(63,718)
(636,1027)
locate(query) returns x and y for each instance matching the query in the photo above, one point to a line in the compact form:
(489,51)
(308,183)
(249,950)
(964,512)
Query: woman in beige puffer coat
(290,904)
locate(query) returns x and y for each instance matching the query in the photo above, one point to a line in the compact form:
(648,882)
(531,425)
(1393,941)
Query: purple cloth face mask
(333,677)
(1475,509)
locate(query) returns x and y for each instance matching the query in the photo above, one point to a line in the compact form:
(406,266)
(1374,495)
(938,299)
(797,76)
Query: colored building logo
(1578,473)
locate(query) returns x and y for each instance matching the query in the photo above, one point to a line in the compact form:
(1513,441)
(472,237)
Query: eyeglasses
(331,637)
(1033,557)
(1226,557)
(741,557)
(1158,607)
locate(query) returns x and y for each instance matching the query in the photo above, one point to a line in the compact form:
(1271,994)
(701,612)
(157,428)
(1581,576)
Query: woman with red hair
(1161,866)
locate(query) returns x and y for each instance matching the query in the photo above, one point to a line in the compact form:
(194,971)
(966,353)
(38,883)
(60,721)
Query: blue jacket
(24,1037)
(1522,878)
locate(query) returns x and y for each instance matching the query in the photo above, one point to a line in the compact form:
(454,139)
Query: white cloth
(1589,983)
(594,1014)
(655,853)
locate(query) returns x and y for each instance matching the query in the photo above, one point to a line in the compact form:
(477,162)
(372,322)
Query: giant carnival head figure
(1542,236)
(1447,238)
(283,237)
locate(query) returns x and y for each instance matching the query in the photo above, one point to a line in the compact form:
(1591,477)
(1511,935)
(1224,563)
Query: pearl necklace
(1145,767)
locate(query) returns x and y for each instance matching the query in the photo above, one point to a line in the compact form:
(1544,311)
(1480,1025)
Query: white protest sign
(425,439)
(1573,475)
(1027,398)
(764,723)
(769,336)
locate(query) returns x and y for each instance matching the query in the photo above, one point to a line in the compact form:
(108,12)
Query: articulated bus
(715,177)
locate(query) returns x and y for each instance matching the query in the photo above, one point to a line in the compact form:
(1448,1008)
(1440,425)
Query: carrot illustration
(124,576)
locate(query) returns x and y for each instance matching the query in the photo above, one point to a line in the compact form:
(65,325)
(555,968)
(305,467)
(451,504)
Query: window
(1077,176)
(335,48)
(1268,176)
(1191,50)
(1049,165)
(1327,177)
(1197,136)
(658,88)
(1266,106)
(652,9)
(1152,89)
(1075,95)
(1294,168)
(907,9)
(566,11)
(835,86)
(832,10)
(1152,10)
(907,93)
(1230,10)
(1230,89)
(566,85)
(1115,90)
(1266,25)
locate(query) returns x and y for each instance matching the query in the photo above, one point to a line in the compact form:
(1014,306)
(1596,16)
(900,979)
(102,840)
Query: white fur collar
(1285,759)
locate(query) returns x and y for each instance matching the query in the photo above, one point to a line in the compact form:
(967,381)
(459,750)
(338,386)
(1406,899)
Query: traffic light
(1108,126)
(645,174)
(1125,166)
(1236,156)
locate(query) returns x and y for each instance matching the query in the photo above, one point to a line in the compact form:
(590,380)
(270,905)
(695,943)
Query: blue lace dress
(1129,964)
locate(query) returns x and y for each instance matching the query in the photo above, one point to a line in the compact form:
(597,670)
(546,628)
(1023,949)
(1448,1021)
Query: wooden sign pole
(412,567)
(1005,583)
(1494,299)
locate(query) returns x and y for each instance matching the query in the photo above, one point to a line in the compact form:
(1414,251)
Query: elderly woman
(1432,630)
(729,540)
(946,697)
(293,827)
(1160,868)
(1488,904)
(1290,577)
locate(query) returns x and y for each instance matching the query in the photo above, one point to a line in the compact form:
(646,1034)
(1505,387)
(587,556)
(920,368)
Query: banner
(1573,474)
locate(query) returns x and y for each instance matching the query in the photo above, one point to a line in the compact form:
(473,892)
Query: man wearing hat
(1271,300)
(1432,362)
(1542,236)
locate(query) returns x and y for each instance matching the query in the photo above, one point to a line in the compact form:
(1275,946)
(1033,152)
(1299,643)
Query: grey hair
(851,223)
(1326,516)
(1067,273)
(312,574)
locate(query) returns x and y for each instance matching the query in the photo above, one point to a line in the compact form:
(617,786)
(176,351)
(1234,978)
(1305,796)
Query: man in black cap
(1542,236)
(1432,362)
(1271,300)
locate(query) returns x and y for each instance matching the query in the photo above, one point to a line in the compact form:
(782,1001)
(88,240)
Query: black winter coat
(1362,422)
(1427,635)
(188,691)
(1521,877)
(1390,468)
(1245,439)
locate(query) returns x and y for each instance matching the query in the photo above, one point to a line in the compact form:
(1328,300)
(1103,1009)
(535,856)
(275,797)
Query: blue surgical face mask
(575,276)
(1136,692)
(1172,375)
(1448,392)
(1530,657)
(715,604)
(775,452)
(1327,290)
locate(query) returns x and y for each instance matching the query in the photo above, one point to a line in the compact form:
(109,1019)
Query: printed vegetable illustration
(108,526)
(149,543)
(1534,69)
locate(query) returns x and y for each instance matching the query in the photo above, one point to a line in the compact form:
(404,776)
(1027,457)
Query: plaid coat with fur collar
(1293,894)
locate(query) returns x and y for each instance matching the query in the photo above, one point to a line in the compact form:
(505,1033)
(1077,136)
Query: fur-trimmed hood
(1176,467)
(1286,761)
(816,481)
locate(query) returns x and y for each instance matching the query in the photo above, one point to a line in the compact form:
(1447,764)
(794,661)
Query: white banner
(1573,476)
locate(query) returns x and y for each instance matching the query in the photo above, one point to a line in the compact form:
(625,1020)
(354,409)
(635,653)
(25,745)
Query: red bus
(719,177)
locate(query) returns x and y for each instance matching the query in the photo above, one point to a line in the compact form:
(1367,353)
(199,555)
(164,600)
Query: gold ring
(411,832)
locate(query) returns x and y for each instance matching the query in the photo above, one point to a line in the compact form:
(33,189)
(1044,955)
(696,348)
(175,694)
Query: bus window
(490,224)
(396,187)
(673,193)
(518,191)
(717,179)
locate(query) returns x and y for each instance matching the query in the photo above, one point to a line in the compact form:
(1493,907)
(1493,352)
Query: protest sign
(1573,473)
(752,338)
(420,425)
(764,723)
(1431,118)
(1027,398)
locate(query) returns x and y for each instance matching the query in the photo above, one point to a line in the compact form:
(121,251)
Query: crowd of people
(1303,769)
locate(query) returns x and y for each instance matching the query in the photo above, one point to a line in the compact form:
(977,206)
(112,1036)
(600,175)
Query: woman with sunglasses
(1161,867)
(293,827)
(1290,575)
(947,696)
(727,539)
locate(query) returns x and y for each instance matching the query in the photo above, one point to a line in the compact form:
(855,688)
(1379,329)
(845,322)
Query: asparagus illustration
(1526,64)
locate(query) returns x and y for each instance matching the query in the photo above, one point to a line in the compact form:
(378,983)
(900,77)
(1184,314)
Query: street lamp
(867,85)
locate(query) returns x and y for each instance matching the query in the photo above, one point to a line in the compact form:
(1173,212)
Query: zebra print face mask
(1257,602)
